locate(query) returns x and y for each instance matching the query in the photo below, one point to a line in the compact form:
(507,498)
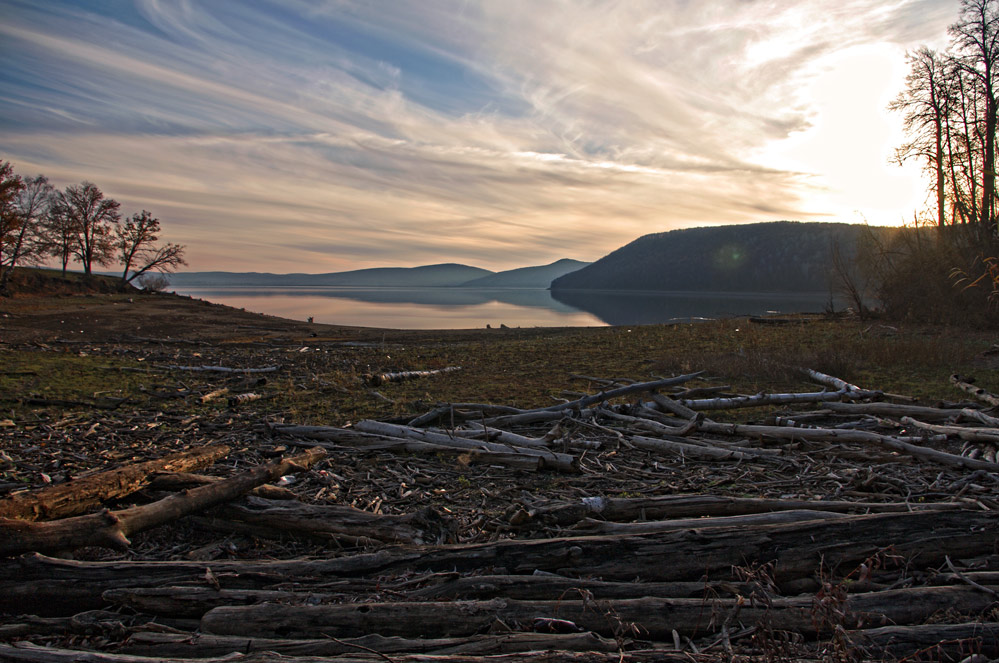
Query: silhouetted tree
(976,40)
(11,220)
(26,244)
(83,212)
(135,241)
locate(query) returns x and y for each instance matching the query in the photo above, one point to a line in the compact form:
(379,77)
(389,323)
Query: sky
(327,135)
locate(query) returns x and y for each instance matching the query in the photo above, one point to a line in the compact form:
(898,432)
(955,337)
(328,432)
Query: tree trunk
(84,493)
(655,617)
(111,529)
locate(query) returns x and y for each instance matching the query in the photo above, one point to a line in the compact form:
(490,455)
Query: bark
(656,618)
(173,481)
(109,529)
(201,645)
(84,493)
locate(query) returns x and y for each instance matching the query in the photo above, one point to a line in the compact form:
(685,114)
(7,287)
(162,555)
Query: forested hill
(782,256)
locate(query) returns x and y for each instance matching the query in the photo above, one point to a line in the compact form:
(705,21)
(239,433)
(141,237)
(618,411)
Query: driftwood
(30,653)
(839,435)
(591,526)
(620,509)
(468,451)
(759,400)
(967,385)
(657,618)
(110,529)
(401,376)
(200,645)
(222,369)
(934,642)
(332,521)
(84,493)
(173,481)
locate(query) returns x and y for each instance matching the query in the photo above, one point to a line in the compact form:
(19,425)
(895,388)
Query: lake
(468,308)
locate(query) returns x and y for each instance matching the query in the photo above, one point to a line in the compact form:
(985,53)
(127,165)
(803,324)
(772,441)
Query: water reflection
(461,308)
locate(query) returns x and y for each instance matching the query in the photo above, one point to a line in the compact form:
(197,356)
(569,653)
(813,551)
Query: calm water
(467,308)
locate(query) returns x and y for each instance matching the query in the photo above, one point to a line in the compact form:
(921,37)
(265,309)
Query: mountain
(781,256)
(527,277)
(427,276)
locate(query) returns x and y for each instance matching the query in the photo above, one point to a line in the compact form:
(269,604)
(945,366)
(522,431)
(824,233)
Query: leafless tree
(11,221)
(85,213)
(25,243)
(135,241)
(976,41)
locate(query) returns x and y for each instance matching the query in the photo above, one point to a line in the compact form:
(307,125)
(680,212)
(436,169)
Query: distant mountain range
(428,276)
(781,256)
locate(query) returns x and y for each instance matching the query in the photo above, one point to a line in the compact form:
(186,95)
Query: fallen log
(933,642)
(591,526)
(401,376)
(327,522)
(111,529)
(798,550)
(655,618)
(553,460)
(967,385)
(961,432)
(759,400)
(221,369)
(30,653)
(201,645)
(696,450)
(840,435)
(85,493)
(620,509)
(171,481)
(339,438)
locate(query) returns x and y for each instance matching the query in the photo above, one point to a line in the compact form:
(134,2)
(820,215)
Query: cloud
(317,136)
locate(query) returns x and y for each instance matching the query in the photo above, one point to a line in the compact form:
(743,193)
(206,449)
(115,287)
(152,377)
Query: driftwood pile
(625,524)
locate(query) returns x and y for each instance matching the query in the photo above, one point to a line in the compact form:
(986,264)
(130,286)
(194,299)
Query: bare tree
(135,241)
(83,211)
(11,221)
(926,104)
(976,39)
(25,243)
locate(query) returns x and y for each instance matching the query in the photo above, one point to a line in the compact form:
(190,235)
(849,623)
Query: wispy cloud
(315,136)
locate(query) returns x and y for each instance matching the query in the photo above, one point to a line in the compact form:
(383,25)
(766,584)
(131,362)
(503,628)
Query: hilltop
(781,256)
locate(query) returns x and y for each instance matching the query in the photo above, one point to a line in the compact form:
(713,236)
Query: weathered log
(830,381)
(184,480)
(329,521)
(656,617)
(549,586)
(400,376)
(222,369)
(30,653)
(84,493)
(45,586)
(337,439)
(893,410)
(201,645)
(591,526)
(553,460)
(933,642)
(758,400)
(111,529)
(967,385)
(839,435)
(961,432)
(695,450)
(620,509)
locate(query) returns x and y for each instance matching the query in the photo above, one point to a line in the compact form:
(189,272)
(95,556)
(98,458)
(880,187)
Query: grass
(527,368)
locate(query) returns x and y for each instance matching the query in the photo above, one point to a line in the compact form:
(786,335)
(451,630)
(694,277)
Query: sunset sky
(326,135)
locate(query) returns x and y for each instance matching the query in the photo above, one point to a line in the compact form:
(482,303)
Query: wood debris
(623,525)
